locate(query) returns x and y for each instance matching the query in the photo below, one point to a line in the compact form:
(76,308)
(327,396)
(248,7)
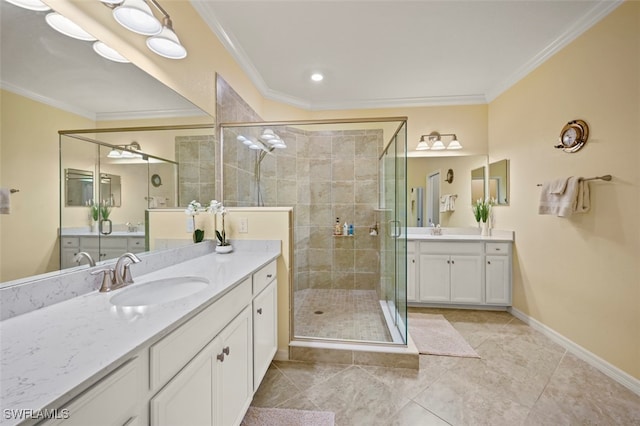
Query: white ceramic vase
(224,249)
(485,229)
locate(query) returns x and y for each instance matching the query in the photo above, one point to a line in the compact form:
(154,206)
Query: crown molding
(599,11)
(164,113)
(47,101)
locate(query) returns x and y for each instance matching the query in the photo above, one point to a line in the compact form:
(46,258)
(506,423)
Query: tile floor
(346,315)
(523,378)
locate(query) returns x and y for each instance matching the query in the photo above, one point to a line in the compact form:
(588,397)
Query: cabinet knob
(448,261)
(226,350)
(453,261)
(489,262)
(220,357)
(413,261)
(260,311)
(269,275)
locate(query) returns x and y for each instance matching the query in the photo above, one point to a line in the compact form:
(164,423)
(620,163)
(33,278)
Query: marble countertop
(462,234)
(88,233)
(54,353)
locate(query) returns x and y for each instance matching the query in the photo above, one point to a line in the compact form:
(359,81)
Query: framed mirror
(110,189)
(79,187)
(477,184)
(498,181)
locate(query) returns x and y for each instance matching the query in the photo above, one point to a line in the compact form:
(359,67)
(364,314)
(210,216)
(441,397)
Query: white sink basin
(159,291)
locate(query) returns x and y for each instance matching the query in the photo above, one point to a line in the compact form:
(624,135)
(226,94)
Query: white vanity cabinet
(450,272)
(472,273)
(206,371)
(215,387)
(99,247)
(498,273)
(115,400)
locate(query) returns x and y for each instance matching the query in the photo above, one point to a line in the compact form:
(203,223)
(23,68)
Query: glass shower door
(394,248)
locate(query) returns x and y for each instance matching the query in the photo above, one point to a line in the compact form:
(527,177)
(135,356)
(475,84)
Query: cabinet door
(234,378)
(188,398)
(412,283)
(265,332)
(68,256)
(498,280)
(434,278)
(466,279)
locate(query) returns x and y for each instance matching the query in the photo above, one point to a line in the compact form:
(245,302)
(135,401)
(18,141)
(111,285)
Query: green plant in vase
(482,213)
(105,222)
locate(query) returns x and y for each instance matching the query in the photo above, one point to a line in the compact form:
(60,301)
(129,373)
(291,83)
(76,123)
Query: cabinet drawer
(70,242)
(450,248)
(113,400)
(497,248)
(173,352)
(264,276)
(104,243)
(411,246)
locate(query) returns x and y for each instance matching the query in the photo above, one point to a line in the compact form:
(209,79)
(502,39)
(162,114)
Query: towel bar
(604,177)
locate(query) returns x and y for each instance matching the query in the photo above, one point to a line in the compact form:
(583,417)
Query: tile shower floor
(522,378)
(340,314)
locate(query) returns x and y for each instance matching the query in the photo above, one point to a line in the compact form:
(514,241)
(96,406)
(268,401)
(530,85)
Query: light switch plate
(244,225)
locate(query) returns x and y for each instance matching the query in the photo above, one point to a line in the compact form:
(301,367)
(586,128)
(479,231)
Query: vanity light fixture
(67,27)
(267,141)
(136,16)
(108,53)
(125,151)
(433,141)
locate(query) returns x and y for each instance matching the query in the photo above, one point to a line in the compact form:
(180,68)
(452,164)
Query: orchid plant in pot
(224,246)
(94,213)
(105,223)
(193,209)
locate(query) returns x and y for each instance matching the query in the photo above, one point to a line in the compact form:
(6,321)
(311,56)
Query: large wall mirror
(431,175)
(81,87)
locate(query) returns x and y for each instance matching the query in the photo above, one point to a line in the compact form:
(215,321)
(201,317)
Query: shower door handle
(395,231)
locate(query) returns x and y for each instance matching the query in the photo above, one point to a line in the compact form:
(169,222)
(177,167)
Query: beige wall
(579,276)
(29,162)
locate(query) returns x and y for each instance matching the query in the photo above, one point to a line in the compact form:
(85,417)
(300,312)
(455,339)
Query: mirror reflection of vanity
(40,106)
(498,182)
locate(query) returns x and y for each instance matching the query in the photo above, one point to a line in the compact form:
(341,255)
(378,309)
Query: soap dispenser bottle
(345,228)
(337,229)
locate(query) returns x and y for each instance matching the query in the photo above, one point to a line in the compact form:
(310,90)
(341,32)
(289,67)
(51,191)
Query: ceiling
(394,53)
(372,53)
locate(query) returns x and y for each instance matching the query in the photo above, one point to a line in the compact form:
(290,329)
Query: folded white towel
(447,203)
(5,201)
(574,198)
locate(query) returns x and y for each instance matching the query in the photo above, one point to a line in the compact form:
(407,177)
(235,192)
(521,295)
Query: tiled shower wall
(197,168)
(323,175)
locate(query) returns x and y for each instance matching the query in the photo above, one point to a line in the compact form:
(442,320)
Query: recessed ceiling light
(316,76)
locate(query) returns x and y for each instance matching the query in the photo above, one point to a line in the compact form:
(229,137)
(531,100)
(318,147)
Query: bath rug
(286,417)
(434,335)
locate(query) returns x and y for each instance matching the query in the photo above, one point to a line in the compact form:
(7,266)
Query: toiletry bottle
(345,228)
(337,229)
(351,229)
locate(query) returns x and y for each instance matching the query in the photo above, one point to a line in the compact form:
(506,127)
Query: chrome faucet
(122,272)
(84,255)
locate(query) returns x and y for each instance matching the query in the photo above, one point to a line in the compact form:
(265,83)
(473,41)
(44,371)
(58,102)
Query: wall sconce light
(433,141)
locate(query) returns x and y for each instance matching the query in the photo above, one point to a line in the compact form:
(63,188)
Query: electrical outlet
(244,225)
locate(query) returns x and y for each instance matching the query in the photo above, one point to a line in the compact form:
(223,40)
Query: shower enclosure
(346,285)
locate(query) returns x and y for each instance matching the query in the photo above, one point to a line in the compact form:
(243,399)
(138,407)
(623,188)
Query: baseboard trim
(282,355)
(589,357)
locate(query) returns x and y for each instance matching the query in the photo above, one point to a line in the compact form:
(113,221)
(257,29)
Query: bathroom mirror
(477,184)
(422,170)
(499,182)
(79,187)
(79,90)
(110,190)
